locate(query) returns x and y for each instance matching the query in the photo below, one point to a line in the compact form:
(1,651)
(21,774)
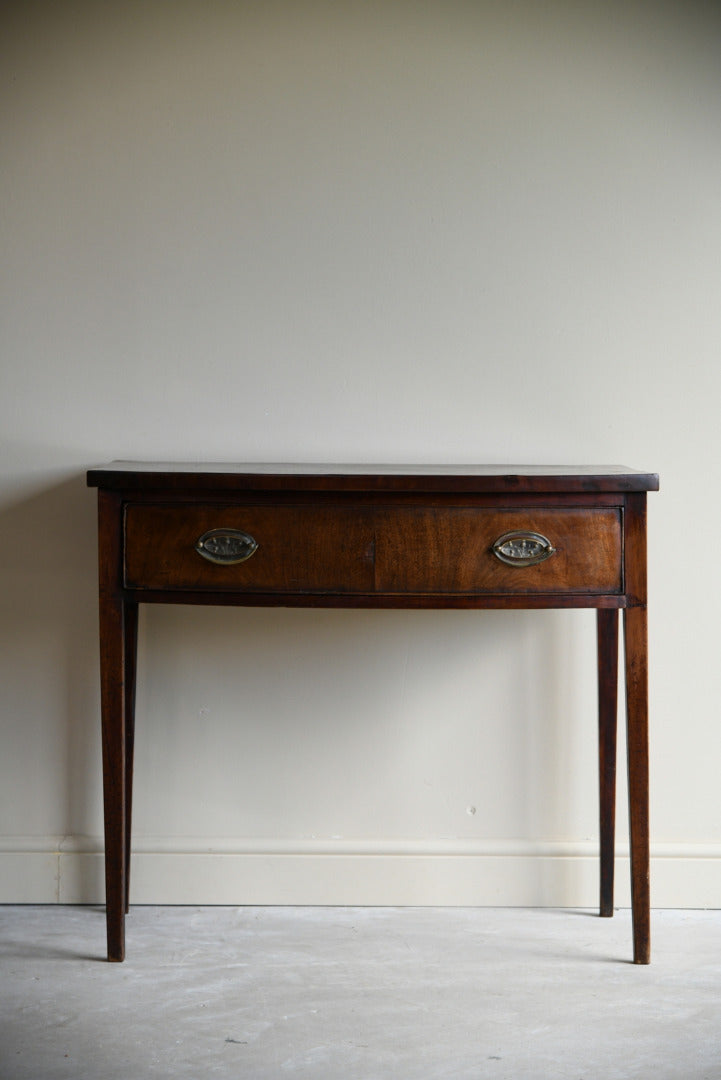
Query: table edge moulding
(377,536)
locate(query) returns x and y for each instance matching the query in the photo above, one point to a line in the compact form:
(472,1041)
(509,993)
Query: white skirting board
(220,871)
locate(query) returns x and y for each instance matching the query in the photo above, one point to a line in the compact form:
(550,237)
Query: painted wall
(355,232)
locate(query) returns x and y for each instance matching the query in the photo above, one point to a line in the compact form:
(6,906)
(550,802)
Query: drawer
(450,550)
(299,548)
(387,550)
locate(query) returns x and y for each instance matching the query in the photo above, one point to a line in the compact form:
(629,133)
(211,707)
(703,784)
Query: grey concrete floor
(358,994)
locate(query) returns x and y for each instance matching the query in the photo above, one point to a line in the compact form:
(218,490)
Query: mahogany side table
(469,536)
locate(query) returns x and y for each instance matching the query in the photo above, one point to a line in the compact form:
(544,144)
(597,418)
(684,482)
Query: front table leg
(636,646)
(118,636)
(112,683)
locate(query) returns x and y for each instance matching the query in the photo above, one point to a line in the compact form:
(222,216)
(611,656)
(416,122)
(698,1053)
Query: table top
(262,476)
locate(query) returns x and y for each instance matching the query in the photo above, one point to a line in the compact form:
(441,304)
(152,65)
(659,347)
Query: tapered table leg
(117,673)
(130,663)
(114,770)
(607,629)
(636,646)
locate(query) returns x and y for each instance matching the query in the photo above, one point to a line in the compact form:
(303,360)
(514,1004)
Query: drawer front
(450,550)
(299,548)
(391,551)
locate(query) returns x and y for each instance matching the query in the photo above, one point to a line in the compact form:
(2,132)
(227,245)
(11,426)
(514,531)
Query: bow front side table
(377,537)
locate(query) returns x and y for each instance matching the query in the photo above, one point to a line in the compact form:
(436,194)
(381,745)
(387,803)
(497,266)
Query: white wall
(358,232)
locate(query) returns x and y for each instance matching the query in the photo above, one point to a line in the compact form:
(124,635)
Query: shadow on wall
(48,651)
(359,724)
(263,723)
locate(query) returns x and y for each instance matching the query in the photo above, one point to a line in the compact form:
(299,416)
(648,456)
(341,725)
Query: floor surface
(358,994)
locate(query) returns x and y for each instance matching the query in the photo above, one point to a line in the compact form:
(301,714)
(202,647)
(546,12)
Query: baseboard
(377,873)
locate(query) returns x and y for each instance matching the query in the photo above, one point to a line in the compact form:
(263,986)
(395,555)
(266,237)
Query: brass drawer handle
(226,546)
(522,548)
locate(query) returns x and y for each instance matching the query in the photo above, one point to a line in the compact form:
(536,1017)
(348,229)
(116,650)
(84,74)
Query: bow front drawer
(510,551)
(373,550)
(297,548)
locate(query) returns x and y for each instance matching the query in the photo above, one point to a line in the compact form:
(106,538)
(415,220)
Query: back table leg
(607,628)
(130,664)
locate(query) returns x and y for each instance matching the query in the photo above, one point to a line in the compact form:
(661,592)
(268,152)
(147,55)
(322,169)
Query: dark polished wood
(376,536)
(115,708)
(399,550)
(161,476)
(130,656)
(635,635)
(607,622)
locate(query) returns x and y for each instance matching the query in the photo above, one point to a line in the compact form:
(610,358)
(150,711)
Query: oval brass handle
(522,548)
(226,546)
